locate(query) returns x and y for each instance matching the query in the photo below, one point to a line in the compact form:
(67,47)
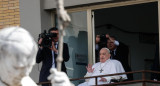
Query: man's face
(55,39)
(104,55)
(110,45)
(97,38)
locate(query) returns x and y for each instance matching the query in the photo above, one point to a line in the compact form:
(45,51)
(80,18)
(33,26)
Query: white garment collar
(105,61)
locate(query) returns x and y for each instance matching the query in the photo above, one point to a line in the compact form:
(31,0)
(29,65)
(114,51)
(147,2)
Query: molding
(107,5)
(90,37)
(159,25)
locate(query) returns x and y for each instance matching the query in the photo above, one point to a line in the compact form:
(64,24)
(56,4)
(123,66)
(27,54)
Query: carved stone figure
(18,51)
(17,57)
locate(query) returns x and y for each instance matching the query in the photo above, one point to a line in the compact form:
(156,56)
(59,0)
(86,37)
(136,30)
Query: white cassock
(108,67)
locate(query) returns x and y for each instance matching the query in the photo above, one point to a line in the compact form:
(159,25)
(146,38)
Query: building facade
(9,13)
(134,22)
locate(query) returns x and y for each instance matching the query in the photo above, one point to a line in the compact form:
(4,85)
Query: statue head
(17,54)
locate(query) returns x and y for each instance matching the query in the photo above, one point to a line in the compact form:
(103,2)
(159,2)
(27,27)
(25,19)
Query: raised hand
(89,68)
(107,36)
(112,40)
(103,79)
(54,47)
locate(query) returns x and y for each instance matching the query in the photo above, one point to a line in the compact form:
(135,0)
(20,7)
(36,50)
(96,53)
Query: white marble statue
(63,21)
(17,57)
(60,79)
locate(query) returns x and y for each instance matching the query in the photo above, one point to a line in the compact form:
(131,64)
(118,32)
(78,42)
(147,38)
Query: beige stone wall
(9,13)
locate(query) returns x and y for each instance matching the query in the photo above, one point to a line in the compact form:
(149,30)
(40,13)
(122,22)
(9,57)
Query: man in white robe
(104,67)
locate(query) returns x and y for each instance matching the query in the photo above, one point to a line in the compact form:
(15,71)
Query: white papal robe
(108,67)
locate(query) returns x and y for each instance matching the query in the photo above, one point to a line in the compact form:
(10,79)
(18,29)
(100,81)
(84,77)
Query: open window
(134,25)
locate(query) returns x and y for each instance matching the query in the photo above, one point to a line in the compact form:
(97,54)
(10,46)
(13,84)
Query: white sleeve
(112,71)
(120,69)
(116,43)
(116,67)
(88,74)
